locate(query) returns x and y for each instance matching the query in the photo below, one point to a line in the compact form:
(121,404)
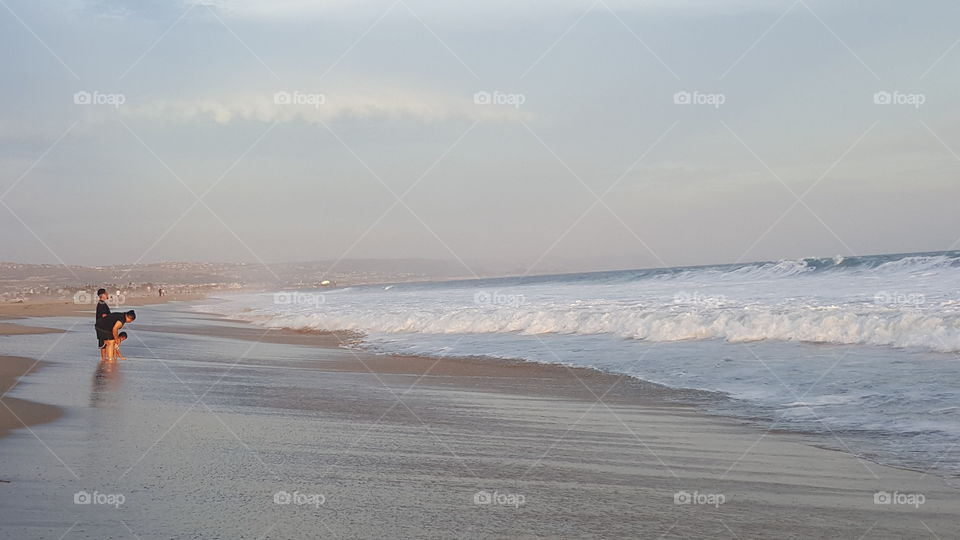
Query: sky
(535,136)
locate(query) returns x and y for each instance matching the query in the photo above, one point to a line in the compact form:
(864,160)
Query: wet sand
(20,413)
(210,424)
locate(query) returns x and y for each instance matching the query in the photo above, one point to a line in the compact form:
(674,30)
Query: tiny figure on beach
(160,291)
(109,328)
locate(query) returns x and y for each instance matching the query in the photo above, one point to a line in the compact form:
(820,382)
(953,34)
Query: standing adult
(103,310)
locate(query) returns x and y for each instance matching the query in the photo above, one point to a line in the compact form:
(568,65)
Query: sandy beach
(217,429)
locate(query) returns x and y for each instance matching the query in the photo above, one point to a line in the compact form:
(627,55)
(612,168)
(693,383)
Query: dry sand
(56,308)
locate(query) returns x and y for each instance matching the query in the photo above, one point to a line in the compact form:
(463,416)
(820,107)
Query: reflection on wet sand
(105,381)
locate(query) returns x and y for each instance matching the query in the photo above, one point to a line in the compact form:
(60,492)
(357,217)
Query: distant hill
(19,280)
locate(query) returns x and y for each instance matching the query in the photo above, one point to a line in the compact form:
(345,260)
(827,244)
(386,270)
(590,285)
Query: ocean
(862,353)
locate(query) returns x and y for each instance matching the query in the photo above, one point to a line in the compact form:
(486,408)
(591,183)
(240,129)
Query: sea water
(864,352)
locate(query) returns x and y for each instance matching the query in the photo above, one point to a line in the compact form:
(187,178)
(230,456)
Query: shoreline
(633,390)
(416,438)
(67,307)
(17,413)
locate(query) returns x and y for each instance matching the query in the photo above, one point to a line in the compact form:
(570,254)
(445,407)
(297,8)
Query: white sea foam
(742,330)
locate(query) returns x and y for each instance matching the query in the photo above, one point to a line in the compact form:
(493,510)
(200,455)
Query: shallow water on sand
(200,436)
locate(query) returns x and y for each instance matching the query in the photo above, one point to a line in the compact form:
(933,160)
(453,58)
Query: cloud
(292,106)
(284,9)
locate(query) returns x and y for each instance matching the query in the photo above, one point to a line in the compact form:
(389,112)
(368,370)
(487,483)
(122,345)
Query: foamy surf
(890,324)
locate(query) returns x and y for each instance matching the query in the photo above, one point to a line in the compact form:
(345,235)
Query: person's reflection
(105,380)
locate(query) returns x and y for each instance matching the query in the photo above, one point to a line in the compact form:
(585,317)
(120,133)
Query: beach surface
(217,429)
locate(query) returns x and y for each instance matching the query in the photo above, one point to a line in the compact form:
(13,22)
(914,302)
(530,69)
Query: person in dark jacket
(102,311)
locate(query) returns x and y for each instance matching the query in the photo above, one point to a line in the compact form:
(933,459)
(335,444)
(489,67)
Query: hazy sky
(278,130)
